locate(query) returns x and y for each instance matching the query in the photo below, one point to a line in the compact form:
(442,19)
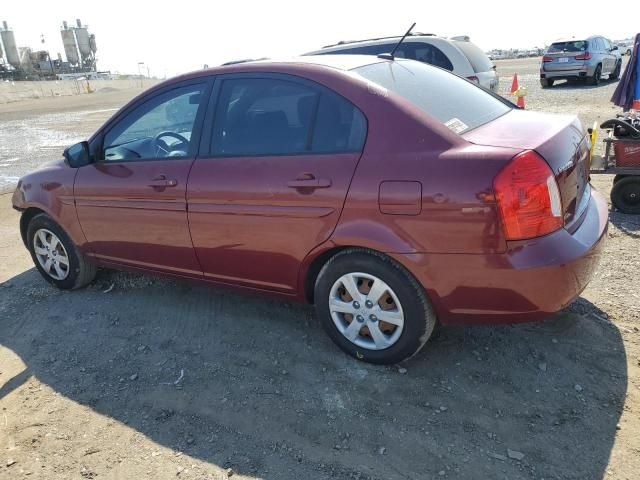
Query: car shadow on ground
(626,223)
(580,84)
(255,385)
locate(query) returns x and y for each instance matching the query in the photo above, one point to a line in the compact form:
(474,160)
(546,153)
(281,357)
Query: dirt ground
(137,377)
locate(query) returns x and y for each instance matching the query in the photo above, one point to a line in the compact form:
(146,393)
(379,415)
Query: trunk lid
(563,61)
(560,139)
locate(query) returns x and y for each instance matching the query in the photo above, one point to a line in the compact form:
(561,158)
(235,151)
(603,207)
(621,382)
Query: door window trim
(206,140)
(97,144)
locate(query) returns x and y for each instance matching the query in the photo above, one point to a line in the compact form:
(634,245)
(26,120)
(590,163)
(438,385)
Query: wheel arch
(25,219)
(315,264)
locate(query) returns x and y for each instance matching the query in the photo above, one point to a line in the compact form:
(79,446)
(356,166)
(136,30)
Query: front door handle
(161,181)
(309,181)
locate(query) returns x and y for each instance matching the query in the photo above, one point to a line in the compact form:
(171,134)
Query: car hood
(52,182)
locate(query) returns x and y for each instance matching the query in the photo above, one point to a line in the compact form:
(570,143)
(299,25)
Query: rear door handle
(310,183)
(161,181)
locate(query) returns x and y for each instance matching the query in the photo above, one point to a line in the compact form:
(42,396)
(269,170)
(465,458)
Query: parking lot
(140,377)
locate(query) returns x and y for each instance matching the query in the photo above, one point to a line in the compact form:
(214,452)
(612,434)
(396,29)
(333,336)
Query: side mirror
(77,155)
(614,48)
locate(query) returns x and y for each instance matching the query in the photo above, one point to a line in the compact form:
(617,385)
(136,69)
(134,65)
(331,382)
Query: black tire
(419,317)
(546,82)
(81,272)
(619,177)
(625,194)
(597,76)
(615,75)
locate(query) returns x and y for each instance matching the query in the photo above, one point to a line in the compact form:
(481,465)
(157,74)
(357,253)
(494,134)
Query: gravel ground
(138,377)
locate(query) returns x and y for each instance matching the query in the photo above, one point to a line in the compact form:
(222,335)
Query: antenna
(390,56)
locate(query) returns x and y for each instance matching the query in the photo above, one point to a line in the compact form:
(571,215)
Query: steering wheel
(158,145)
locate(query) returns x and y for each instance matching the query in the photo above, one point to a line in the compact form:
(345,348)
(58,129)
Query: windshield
(572,46)
(457,103)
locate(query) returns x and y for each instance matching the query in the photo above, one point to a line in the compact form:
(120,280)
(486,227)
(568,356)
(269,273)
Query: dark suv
(588,59)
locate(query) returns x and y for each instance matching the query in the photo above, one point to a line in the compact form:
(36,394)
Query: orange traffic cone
(518,92)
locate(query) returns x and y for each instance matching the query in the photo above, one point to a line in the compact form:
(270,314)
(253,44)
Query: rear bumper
(530,281)
(586,71)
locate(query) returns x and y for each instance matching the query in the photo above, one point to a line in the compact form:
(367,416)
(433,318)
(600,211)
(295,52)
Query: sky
(173,37)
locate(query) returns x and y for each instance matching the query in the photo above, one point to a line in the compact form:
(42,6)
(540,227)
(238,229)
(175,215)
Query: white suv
(457,54)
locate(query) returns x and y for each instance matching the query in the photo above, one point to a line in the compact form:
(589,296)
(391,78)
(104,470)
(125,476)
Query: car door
(131,201)
(282,152)
(605,55)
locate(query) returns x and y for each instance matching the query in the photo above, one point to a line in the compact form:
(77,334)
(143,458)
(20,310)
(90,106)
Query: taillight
(547,59)
(473,78)
(528,197)
(584,56)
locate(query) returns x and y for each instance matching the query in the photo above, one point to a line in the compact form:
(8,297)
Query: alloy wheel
(51,254)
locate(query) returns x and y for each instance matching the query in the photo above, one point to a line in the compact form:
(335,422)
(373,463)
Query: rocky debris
(542,366)
(382,450)
(578,387)
(514,454)
(402,370)
(10,462)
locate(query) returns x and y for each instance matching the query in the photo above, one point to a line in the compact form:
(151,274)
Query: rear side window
(265,116)
(571,46)
(457,103)
(477,58)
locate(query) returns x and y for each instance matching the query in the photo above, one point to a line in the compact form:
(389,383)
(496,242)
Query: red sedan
(391,194)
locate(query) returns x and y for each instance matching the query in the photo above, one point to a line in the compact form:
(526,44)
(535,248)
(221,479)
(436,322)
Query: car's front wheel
(55,256)
(373,308)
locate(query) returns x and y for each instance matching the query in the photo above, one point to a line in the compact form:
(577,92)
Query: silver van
(588,59)
(457,54)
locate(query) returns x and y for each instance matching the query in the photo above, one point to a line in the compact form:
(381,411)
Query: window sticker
(456,125)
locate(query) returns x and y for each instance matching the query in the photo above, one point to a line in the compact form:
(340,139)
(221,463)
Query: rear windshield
(477,58)
(571,46)
(457,103)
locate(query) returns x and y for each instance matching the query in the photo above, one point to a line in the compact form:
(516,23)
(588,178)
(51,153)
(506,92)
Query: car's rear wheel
(546,82)
(372,308)
(55,256)
(625,194)
(597,76)
(615,75)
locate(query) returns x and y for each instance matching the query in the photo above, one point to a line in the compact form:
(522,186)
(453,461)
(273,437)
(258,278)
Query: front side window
(457,103)
(265,116)
(158,128)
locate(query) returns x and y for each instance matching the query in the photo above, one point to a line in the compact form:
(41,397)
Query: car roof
(301,63)
(339,62)
(376,41)
(576,39)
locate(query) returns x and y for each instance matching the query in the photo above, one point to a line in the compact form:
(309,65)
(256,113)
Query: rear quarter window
(457,103)
(477,58)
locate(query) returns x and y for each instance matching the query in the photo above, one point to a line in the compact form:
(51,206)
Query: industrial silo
(82,36)
(9,41)
(92,43)
(69,43)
